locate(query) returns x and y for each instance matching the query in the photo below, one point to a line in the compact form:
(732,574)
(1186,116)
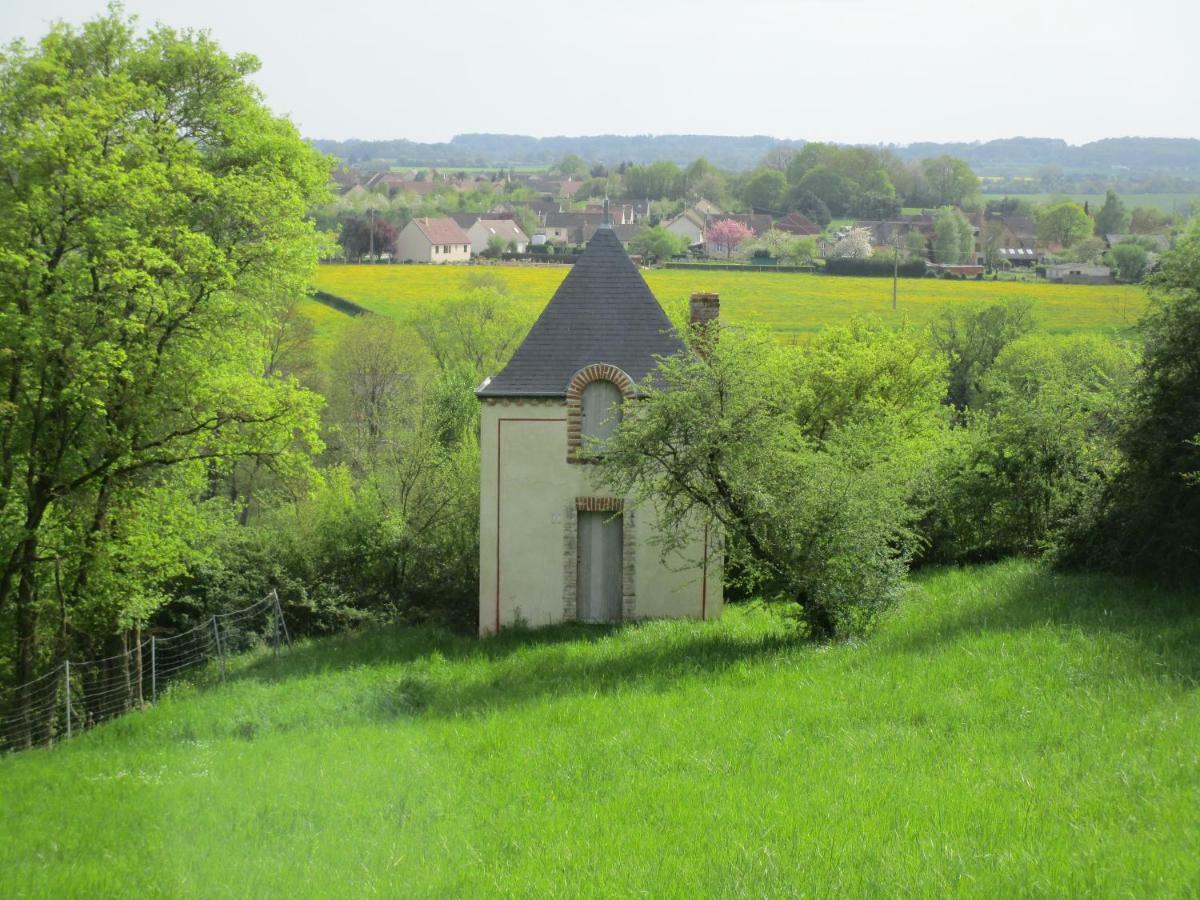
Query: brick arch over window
(580,380)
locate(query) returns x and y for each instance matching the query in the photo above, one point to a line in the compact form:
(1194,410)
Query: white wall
(527,499)
(412,246)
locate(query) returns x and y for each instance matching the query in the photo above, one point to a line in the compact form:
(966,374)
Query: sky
(853,71)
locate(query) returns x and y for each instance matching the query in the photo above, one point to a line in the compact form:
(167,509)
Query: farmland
(790,304)
(1006,731)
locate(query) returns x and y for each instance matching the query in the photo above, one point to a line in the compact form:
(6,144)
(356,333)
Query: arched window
(601,410)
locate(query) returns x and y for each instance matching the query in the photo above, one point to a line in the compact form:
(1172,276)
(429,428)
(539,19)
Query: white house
(433,241)
(484,230)
(554,544)
(688,224)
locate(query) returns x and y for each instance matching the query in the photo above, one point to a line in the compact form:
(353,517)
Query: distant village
(439,217)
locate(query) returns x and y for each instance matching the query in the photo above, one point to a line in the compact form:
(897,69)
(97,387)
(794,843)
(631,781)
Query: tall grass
(1006,731)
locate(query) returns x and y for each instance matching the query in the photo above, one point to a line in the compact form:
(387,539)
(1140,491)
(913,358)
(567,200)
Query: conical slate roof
(603,312)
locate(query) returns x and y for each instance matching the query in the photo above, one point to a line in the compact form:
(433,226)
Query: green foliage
(657,243)
(951,181)
(1063,223)
(1036,449)
(1149,520)
(1112,217)
(655,181)
(970,337)
(954,241)
(153,236)
(874,268)
(764,189)
(1130,260)
(805,459)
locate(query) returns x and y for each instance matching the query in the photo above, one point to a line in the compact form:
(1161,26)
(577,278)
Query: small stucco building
(554,545)
(430,240)
(483,231)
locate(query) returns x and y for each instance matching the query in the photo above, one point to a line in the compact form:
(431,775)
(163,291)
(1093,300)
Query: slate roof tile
(603,312)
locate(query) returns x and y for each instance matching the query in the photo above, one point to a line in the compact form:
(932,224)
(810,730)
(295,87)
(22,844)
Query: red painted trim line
(500,422)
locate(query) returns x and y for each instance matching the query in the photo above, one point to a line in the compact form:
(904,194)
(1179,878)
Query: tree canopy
(153,230)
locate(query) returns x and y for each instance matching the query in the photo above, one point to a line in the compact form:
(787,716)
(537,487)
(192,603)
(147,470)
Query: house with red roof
(431,240)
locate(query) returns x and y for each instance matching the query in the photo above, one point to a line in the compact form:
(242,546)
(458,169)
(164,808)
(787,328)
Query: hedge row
(874,268)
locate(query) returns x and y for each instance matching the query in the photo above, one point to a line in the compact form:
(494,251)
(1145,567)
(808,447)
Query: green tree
(950,180)
(1147,220)
(1112,218)
(572,165)
(1150,518)
(152,223)
(954,240)
(764,189)
(657,180)
(1063,223)
(837,192)
(657,243)
(1130,260)
(805,459)
(969,338)
(1035,451)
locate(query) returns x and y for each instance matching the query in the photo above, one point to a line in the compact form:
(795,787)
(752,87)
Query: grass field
(789,303)
(1005,732)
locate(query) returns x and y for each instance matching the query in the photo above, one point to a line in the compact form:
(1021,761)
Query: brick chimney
(705,308)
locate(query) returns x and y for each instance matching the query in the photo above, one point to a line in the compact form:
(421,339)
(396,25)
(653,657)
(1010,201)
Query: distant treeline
(1177,155)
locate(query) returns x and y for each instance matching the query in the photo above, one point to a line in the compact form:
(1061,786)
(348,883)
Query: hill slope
(1006,731)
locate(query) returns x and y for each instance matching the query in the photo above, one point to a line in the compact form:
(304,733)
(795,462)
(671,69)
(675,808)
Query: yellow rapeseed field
(789,303)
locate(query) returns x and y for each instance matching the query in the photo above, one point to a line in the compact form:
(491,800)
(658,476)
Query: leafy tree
(810,205)
(572,165)
(1112,218)
(1131,261)
(728,233)
(837,192)
(854,244)
(805,458)
(1035,451)
(969,338)
(363,237)
(1150,518)
(660,179)
(993,238)
(954,240)
(152,222)
(657,243)
(1090,251)
(1147,220)
(764,189)
(950,180)
(1063,223)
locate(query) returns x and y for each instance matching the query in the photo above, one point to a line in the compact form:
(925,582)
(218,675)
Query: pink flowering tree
(727,233)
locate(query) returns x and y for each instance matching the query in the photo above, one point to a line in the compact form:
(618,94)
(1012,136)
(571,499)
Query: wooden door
(598,582)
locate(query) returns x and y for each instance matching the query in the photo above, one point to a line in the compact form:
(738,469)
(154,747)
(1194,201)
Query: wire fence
(77,695)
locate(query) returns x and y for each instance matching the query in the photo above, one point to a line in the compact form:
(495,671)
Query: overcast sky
(871,71)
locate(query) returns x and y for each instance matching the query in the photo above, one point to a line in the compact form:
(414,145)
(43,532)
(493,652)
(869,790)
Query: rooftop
(603,312)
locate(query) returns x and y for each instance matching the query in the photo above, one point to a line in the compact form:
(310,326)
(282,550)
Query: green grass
(789,303)
(1005,732)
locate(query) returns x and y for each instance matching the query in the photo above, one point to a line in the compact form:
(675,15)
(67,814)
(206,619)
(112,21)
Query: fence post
(153,671)
(67,670)
(220,652)
(279,612)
